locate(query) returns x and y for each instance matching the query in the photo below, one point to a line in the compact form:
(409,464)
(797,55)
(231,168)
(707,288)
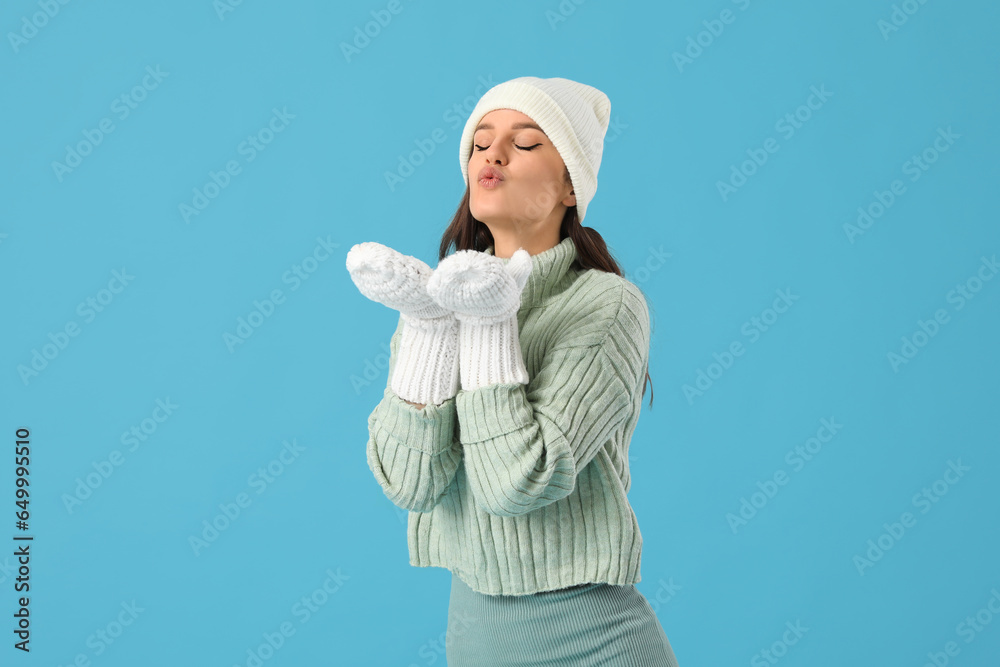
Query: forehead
(506,118)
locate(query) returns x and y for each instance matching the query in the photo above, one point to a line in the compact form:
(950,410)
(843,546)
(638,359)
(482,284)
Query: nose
(494,155)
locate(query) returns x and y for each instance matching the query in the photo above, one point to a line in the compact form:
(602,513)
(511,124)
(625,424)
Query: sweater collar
(549,270)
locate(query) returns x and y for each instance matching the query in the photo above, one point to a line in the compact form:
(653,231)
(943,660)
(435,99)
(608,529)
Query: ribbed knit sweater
(519,488)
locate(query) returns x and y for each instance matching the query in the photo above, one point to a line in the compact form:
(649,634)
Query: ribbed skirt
(581,626)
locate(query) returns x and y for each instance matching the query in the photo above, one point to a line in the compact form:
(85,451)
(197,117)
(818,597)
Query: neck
(504,246)
(551,271)
(536,237)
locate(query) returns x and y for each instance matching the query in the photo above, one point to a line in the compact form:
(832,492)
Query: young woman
(516,377)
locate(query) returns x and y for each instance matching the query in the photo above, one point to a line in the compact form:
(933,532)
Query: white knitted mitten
(426,367)
(485,294)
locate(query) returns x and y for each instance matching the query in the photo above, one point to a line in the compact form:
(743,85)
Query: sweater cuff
(430,429)
(492,411)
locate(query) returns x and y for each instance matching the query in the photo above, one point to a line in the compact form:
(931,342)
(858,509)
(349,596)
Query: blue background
(724,589)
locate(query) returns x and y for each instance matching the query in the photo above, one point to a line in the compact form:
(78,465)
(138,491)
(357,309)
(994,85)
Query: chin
(483,214)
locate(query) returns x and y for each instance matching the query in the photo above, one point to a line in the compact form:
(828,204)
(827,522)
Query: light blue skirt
(581,626)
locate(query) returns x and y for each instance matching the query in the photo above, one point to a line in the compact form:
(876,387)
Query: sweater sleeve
(525,444)
(413,453)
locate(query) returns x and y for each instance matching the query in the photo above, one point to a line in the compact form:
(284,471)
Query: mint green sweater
(518,488)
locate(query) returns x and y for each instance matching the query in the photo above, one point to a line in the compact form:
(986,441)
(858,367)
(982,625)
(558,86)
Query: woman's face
(533,192)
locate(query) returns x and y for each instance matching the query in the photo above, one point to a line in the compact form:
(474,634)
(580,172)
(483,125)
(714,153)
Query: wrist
(426,369)
(490,353)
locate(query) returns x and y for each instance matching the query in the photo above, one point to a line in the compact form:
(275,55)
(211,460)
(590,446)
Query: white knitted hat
(573,115)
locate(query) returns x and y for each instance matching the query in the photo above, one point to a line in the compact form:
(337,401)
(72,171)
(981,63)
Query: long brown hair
(466,233)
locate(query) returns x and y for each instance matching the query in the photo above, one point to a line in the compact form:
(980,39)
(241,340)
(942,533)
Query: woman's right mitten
(426,369)
(484,292)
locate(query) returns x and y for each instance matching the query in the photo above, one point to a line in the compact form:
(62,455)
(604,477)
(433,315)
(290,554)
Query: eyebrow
(515,126)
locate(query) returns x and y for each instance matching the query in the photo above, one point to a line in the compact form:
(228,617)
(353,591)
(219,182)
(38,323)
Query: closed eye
(523,148)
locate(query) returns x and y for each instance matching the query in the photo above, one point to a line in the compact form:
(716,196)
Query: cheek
(547,173)
(544,179)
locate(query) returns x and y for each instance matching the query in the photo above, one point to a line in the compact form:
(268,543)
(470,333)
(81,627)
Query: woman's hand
(480,288)
(484,292)
(393,279)
(426,366)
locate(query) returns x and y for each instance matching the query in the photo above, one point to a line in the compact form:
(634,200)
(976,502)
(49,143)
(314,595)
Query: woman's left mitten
(484,292)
